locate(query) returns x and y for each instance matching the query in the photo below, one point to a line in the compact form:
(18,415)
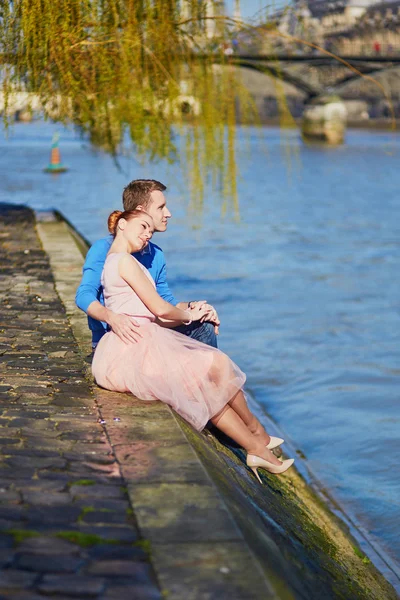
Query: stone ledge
(279,540)
(175,503)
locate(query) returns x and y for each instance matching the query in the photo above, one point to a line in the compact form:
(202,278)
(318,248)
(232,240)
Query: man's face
(158,210)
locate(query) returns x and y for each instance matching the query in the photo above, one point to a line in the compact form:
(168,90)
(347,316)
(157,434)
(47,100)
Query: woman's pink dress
(196,380)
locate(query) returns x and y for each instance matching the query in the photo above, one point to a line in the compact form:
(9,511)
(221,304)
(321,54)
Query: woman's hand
(196,311)
(205,312)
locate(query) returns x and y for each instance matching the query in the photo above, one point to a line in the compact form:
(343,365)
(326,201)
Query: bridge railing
(367,51)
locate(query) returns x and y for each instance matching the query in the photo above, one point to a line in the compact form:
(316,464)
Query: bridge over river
(317,73)
(312,73)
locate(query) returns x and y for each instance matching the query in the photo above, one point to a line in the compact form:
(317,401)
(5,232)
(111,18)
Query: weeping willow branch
(127,73)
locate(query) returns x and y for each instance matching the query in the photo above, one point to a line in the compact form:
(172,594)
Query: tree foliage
(130,73)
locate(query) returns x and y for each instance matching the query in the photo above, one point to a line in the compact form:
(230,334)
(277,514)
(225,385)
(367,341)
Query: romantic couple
(149,344)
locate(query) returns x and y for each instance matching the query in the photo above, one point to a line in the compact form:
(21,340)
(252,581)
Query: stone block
(77,586)
(145,429)
(156,461)
(212,571)
(181,512)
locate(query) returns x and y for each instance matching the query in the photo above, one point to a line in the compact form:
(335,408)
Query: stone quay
(105,496)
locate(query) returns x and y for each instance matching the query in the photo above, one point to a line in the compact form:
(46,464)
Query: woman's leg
(230,423)
(239,405)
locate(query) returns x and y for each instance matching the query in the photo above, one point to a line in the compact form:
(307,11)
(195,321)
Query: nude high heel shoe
(274,442)
(255,462)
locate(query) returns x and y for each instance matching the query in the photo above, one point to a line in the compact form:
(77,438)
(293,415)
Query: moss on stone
(300,543)
(90,509)
(19,535)
(145,545)
(82,482)
(84,540)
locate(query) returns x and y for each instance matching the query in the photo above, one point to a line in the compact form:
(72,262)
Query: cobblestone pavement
(67,528)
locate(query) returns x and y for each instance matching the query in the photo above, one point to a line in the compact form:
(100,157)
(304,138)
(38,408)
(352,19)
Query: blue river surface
(306,284)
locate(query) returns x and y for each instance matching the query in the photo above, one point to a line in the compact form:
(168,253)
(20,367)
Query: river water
(306,285)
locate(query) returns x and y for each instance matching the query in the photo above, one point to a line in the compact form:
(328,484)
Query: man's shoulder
(100,247)
(155,257)
(156,249)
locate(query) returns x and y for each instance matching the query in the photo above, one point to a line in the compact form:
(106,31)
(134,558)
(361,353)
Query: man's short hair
(138,191)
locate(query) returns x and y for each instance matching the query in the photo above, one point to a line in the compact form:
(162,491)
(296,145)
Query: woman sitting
(199,382)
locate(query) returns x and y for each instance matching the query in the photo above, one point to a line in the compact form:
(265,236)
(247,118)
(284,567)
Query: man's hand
(207,313)
(126,328)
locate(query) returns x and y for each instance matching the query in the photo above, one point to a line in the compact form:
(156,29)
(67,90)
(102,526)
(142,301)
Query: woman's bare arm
(131,272)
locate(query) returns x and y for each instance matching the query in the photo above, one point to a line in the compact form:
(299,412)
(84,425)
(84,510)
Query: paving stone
(53,515)
(9,441)
(13,578)
(30,595)
(7,496)
(104,516)
(43,563)
(49,499)
(14,513)
(132,592)
(35,462)
(7,472)
(120,506)
(47,545)
(140,572)
(6,557)
(77,586)
(6,542)
(96,491)
(114,534)
(114,552)
(32,453)
(32,414)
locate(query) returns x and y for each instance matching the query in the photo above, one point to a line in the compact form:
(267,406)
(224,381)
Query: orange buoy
(55,165)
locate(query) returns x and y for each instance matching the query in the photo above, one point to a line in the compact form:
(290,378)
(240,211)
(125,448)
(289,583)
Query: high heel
(255,462)
(274,442)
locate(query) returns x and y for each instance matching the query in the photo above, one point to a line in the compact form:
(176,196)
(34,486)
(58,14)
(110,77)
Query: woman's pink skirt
(196,380)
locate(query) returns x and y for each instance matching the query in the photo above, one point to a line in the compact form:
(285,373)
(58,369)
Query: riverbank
(204,525)
(389,125)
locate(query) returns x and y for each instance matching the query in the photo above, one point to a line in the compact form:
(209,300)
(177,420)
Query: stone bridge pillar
(324,120)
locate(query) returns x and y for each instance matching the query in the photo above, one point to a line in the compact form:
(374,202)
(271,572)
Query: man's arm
(161,282)
(209,314)
(89,287)
(162,285)
(88,294)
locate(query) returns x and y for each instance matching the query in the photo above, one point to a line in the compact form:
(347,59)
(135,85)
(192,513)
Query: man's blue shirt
(90,288)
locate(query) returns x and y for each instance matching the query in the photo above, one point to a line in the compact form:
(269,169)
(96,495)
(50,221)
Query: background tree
(131,74)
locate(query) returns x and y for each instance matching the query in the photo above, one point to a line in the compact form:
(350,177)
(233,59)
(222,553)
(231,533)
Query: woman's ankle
(261,451)
(257,448)
(259,431)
